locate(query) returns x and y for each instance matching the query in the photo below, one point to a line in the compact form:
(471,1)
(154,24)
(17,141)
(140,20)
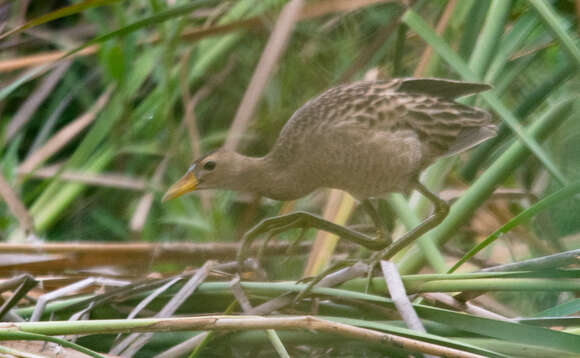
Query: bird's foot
(302,220)
(372,262)
(332,275)
(273,226)
(274,231)
(324,275)
(292,247)
(383,238)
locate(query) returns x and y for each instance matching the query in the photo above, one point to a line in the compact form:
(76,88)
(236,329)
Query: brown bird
(368,138)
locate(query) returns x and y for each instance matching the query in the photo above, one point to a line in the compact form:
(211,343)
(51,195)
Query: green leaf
(503,330)
(510,43)
(151,20)
(25,77)
(487,42)
(115,62)
(26,336)
(555,198)
(555,24)
(530,102)
(409,333)
(563,309)
(62,12)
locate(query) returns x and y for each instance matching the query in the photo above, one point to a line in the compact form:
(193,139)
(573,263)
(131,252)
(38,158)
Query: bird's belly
(366,185)
(383,167)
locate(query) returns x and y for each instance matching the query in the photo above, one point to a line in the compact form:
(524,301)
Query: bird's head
(216,170)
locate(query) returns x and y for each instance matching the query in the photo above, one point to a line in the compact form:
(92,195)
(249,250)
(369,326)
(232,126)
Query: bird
(368,138)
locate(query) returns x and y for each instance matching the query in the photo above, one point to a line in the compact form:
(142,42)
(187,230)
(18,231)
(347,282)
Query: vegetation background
(105,103)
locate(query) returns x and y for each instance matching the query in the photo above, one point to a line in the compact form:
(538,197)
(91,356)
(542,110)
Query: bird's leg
(273,232)
(295,243)
(441,209)
(383,235)
(303,220)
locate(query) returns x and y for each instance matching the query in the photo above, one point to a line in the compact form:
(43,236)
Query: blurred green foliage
(147,60)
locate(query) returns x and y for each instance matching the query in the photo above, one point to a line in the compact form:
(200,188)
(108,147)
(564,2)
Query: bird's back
(374,128)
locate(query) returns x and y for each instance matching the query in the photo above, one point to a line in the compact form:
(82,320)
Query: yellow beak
(184,185)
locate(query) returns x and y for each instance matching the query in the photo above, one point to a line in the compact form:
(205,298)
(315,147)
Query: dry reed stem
(16,206)
(65,135)
(274,48)
(20,287)
(228,323)
(399,296)
(220,249)
(439,29)
(185,347)
(490,302)
(139,217)
(14,282)
(39,349)
(240,295)
(137,258)
(309,11)
(71,289)
(189,104)
(367,54)
(110,180)
(142,305)
(325,7)
(453,194)
(32,102)
(131,344)
(290,14)
(41,58)
(331,280)
(450,302)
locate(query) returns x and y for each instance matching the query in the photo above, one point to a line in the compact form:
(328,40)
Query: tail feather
(470,137)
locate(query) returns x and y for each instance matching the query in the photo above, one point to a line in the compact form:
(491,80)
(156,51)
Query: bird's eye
(209,165)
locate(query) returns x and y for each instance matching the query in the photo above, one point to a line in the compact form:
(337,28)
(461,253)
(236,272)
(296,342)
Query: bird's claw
(383,238)
(372,263)
(314,280)
(295,243)
(273,226)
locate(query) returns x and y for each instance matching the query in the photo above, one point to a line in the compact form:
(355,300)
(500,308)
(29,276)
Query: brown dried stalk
(225,323)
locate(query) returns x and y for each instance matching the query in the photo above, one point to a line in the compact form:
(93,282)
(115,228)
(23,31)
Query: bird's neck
(265,176)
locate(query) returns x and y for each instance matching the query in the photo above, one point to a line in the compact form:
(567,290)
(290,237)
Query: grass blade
(557,197)
(151,20)
(487,40)
(554,23)
(60,13)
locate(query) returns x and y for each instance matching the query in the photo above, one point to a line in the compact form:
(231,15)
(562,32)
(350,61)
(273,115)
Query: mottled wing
(341,108)
(445,126)
(422,107)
